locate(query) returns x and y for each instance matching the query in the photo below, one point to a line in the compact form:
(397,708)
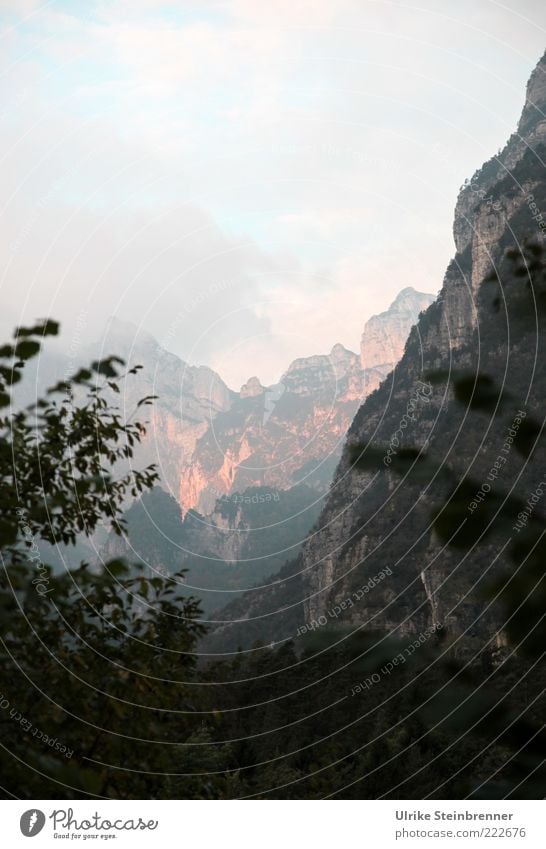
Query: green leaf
(8,533)
(106,366)
(470,514)
(116,568)
(46,327)
(27,349)
(81,376)
(148,399)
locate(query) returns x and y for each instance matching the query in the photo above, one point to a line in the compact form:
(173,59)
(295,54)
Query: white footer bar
(273,824)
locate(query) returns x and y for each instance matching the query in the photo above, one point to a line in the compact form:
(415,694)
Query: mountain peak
(252,388)
(385,335)
(534,110)
(409,297)
(128,331)
(339,352)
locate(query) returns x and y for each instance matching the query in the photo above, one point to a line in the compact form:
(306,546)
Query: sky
(247,181)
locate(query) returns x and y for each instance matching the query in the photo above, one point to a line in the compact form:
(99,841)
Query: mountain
(209,441)
(385,335)
(276,446)
(293,432)
(188,398)
(248,470)
(373,560)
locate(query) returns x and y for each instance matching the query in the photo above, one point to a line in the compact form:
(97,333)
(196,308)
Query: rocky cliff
(249,470)
(373,561)
(293,432)
(385,335)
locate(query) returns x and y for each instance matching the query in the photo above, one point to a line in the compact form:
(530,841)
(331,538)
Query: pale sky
(247,180)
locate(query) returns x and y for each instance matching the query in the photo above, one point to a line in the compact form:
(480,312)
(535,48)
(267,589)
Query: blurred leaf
(527,435)
(43,328)
(116,568)
(27,349)
(106,367)
(8,532)
(478,391)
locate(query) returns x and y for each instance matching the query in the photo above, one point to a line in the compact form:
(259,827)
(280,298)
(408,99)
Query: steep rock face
(267,439)
(188,398)
(293,432)
(385,335)
(208,441)
(493,210)
(481,212)
(372,522)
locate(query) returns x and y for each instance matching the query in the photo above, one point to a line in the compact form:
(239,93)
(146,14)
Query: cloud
(248,181)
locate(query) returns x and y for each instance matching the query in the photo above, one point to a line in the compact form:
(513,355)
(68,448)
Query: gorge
(373,520)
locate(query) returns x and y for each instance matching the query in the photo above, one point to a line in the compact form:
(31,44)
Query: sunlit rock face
(385,335)
(186,399)
(208,441)
(293,432)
